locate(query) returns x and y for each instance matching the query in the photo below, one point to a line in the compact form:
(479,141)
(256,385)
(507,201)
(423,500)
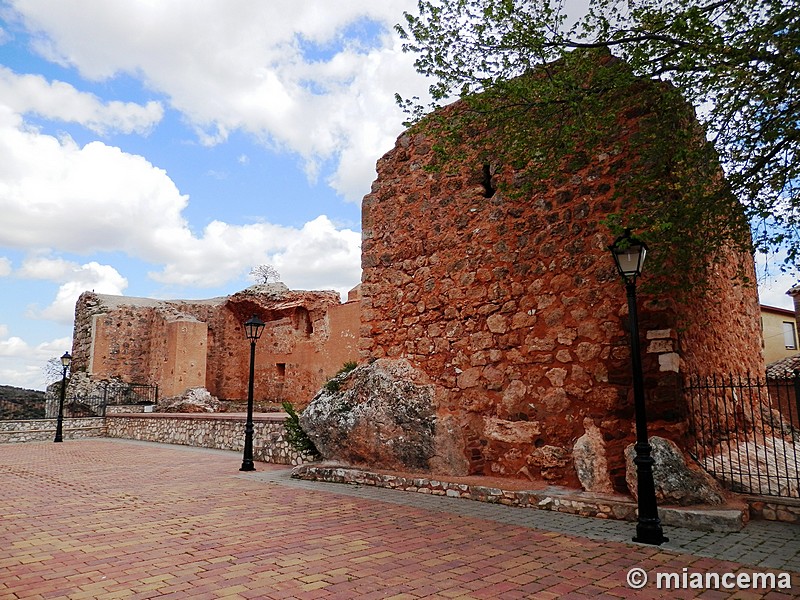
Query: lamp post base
(649,534)
(247,467)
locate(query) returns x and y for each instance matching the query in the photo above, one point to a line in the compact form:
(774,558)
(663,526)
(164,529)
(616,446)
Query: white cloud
(74,279)
(22,364)
(5,269)
(61,101)
(772,290)
(281,71)
(57,195)
(13,346)
(321,257)
(772,283)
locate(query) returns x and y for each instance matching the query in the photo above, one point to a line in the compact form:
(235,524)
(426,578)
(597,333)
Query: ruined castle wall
(181,344)
(185,359)
(723,332)
(121,344)
(513,307)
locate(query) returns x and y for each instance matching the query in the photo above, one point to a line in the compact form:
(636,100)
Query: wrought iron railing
(111,394)
(130,393)
(745,432)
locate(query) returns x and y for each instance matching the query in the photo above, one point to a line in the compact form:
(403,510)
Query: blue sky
(162,149)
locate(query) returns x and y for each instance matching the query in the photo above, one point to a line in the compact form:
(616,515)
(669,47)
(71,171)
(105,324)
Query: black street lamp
(66,359)
(252,329)
(629,254)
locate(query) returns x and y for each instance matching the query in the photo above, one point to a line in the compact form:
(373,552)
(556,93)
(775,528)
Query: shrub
(334,384)
(297,438)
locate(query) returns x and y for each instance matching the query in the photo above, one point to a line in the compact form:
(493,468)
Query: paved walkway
(120,519)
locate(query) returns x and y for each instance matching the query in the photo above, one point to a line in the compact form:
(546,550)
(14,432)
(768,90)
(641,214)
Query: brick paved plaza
(118,519)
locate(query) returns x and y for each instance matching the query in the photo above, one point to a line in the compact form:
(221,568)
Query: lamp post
(252,329)
(66,359)
(629,254)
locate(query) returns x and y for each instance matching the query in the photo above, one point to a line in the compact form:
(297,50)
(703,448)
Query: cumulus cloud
(74,279)
(282,71)
(54,193)
(5,270)
(321,257)
(22,364)
(57,195)
(316,256)
(61,101)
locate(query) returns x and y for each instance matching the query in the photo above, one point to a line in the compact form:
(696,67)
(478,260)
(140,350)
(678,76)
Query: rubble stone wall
(180,344)
(44,430)
(512,305)
(210,431)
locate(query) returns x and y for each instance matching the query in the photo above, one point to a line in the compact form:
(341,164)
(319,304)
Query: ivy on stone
(515,67)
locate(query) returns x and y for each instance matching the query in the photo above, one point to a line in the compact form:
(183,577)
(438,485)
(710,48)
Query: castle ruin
(181,344)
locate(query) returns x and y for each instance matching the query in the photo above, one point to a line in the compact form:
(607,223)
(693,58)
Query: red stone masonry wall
(512,305)
(307,338)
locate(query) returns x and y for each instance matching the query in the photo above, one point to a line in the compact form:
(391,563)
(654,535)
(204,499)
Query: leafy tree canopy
(737,62)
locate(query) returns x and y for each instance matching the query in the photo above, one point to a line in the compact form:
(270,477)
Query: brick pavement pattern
(117,519)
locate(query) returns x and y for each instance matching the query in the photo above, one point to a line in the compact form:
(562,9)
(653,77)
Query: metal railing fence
(80,405)
(130,393)
(744,431)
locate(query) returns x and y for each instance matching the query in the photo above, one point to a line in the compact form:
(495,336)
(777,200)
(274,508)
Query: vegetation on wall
(334,383)
(297,438)
(514,66)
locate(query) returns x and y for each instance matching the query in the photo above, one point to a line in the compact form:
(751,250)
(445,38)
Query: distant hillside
(19,403)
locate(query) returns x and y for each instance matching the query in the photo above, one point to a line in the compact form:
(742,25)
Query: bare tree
(53,370)
(264,274)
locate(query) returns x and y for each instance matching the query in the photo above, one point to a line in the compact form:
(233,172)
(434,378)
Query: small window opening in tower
(488,190)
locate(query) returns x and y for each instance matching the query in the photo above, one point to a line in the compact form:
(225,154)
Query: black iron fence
(115,393)
(745,432)
(81,405)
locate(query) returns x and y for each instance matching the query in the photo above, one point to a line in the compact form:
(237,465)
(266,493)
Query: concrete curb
(603,506)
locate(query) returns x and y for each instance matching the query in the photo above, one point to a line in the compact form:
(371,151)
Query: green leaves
(736,62)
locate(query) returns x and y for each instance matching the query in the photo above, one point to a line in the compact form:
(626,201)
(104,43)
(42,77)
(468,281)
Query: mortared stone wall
(511,304)
(180,344)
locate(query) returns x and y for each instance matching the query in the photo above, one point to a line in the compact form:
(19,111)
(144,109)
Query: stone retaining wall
(115,409)
(221,431)
(42,430)
(786,510)
(564,500)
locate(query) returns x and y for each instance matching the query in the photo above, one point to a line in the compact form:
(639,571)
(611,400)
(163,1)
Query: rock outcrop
(383,414)
(676,482)
(589,454)
(193,400)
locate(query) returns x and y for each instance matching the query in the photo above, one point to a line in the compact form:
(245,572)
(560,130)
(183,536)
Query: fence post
(797,392)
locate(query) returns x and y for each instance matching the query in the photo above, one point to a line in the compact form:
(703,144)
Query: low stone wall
(42,430)
(575,502)
(115,409)
(774,509)
(206,430)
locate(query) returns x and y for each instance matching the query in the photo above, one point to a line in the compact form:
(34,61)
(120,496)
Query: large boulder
(193,400)
(383,415)
(676,482)
(589,456)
